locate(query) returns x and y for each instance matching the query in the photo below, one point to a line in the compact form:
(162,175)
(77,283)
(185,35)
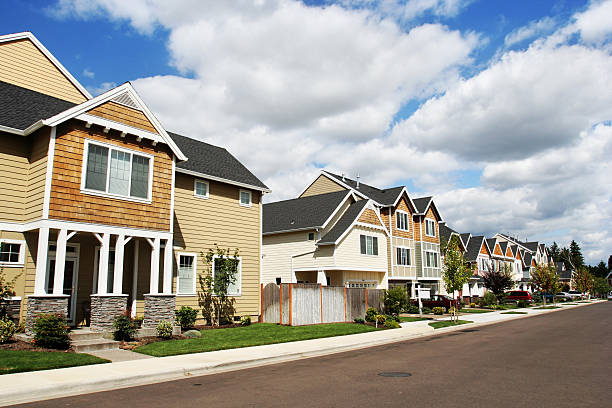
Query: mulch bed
(27,346)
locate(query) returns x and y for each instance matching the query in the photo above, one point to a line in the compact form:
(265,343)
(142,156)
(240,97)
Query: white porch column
(154,282)
(118,276)
(60,262)
(135,276)
(321,278)
(41,261)
(168,253)
(103,265)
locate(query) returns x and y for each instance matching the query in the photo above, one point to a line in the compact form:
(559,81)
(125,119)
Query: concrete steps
(83,341)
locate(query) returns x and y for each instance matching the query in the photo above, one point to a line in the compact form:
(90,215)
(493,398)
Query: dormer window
(430,227)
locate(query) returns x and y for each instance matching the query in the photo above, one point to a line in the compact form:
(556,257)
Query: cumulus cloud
(595,23)
(533,29)
(88,74)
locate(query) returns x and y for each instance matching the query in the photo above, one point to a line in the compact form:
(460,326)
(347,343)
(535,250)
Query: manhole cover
(395,374)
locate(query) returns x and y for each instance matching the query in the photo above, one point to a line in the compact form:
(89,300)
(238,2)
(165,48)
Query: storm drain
(394,374)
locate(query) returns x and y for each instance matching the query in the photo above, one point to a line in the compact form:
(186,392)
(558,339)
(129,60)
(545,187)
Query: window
(430,227)
(311,236)
(368,244)
(185,284)
(361,284)
(431,260)
(403,256)
(117,172)
(234,288)
(245,198)
(278,281)
(12,252)
(402,220)
(200,189)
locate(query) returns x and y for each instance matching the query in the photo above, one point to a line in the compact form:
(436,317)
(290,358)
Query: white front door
(71,271)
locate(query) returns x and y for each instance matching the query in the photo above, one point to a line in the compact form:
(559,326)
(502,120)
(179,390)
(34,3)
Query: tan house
(103,210)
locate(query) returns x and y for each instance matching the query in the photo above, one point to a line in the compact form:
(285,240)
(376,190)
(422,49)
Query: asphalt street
(561,359)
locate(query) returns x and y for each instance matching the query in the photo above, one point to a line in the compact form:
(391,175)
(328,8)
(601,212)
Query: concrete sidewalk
(40,385)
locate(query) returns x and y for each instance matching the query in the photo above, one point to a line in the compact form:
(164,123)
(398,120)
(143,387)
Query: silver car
(570,295)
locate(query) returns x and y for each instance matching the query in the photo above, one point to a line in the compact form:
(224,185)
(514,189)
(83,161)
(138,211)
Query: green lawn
(447,323)
(548,307)
(17,361)
(253,335)
(408,319)
(512,312)
(475,311)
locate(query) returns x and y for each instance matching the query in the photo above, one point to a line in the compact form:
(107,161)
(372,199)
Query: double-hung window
(186,280)
(368,245)
(116,171)
(403,256)
(227,264)
(432,260)
(402,220)
(245,198)
(430,227)
(12,252)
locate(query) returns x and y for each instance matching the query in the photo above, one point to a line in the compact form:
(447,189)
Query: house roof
(532,246)
(563,272)
(21,108)
(344,223)
(491,244)
(527,259)
(514,249)
(301,213)
(446,231)
(384,197)
(473,248)
(503,245)
(422,203)
(465,238)
(214,162)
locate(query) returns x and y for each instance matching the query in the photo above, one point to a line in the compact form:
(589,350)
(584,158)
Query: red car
(516,295)
(437,301)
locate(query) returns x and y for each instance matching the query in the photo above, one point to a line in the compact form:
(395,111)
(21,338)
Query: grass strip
(253,335)
(408,319)
(548,307)
(18,361)
(475,311)
(447,323)
(513,312)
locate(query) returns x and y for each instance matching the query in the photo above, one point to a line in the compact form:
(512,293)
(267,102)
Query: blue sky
(500,109)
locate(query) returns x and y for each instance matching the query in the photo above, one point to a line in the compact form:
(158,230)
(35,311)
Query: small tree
(601,287)
(583,280)
(456,272)
(7,289)
(394,300)
(498,282)
(546,280)
(221,270)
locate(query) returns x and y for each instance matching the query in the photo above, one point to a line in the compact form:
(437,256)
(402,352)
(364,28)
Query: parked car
(438,301)
(516,295)
(610,296)
(539,296)
(570,295)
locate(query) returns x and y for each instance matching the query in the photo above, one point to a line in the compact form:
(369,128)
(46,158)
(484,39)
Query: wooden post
(345,317)
(261,303)
(321,287)
(280,288)
(290,303)
(366,297)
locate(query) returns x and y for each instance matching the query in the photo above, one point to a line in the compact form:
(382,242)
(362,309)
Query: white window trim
(195,272)
(407,220)
(308,236)
(371,236)
(409,255)
(438,257)
(250,198)
(239,280)
(84,190)
(21,261)
(362,282)
(434,227)
(195,190)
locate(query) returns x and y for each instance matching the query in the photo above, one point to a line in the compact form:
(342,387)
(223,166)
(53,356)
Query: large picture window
(234,288)
(402,221)
(432,260)
(403,256)
(186,280)
(116,171)
(368,244)
(430,227)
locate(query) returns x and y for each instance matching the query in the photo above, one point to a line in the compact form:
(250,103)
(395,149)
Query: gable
(432,214)
(123,114)
(508,252)
(369,216)
(518,255)
(24,64)
(322,185)
(533,262)
(483,249)
(497,250)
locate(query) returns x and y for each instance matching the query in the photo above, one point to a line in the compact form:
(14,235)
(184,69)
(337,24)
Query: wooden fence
(297,304)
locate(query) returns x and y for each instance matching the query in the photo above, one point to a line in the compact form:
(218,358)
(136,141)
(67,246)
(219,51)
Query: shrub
(489,298)
(371,314)
(380,319)
(522,303)
(245,321)
(426,310)
(359,320)
(498,307)
(7,329)
(50,331)
(123,328)
(412,309)
(472,305)
(186,317)
(164,329)
(394,300)
(438,310)
(138,321)
(391,324)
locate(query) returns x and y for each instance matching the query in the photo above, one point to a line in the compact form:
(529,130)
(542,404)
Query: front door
(70,275)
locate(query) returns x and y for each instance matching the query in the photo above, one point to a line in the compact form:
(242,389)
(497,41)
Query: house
(334,238)
(478,254)
(565,274)
(103,209)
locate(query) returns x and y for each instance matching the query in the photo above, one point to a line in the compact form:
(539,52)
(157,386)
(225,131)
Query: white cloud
(533,29)
(595,24)
(100,89)
(88,74)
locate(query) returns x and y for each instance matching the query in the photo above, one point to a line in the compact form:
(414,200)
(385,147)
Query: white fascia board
(30,129)
(222,180)
(356,222)
(346,197)
(291,230)
(14,131)
(399,197)
(107,123)
(28,35)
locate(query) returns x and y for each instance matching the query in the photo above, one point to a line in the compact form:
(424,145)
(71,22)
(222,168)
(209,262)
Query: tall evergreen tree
(555,252)
(610,263)
(576,254)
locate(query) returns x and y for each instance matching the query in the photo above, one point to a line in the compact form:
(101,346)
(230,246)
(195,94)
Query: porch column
(118,277)
(103,264)
(168,252)
(154,281)
(60,262)
(321,278)
(135,276)
(41,261)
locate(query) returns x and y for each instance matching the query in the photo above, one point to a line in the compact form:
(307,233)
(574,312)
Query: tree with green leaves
(214,297)
(546,280)
(498,281)
(555,252)
(610,263)
(7,289)
(582,280)
(576,254)
(455,271)
(599,271)
(601,287)
(395,300)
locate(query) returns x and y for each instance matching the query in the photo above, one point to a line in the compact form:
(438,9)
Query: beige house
(102,209)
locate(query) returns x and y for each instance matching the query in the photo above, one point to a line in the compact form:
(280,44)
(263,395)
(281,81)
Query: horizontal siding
(322,185)
(348,251)
(14,167)
(277,251)
(123,114)
(35,192)
(323,257)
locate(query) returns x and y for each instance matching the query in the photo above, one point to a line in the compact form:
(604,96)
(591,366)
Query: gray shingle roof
(386,196)
(446,231)
(421,203)
(213,161)
(491,243)
(527,259)
(21,107)
(514,248)
(563,271)
(473,248)
(503,245)
(532,246)
(301,213)
(465,238)
(344,222)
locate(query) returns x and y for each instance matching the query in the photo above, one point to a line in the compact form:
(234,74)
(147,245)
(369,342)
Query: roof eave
(222,180)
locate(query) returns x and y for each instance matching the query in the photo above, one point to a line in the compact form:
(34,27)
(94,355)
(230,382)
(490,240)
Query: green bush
(426,310)
(245,321)
(50,331)
(371,314)
(438,310)
(391,324)
(472,305)
(7,329)
(164,329)
(124,328)
(498,307)
(489,299)
(380,319)
(359,320)
(412,309)
(394,300)
(522,303)
(186,317)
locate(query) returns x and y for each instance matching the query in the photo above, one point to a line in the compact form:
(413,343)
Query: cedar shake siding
(369,217)
(322,185)
(123,114)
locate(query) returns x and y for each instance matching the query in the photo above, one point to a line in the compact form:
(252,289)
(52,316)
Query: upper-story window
(403,256)
(117,172)
(368,245)
(402,220)
(432,259)
(430,227)
(200,189)
(245,198)
(12,252)
(311,236)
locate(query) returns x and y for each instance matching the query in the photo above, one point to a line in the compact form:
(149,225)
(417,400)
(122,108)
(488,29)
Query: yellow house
(103,210)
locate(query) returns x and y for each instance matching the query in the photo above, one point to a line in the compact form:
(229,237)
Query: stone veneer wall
(158,307)
(105,309)
(12,307)
(44,304)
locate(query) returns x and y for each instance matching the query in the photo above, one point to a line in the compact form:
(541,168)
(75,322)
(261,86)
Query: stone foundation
(105,309)
(44,304)
(158,307)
